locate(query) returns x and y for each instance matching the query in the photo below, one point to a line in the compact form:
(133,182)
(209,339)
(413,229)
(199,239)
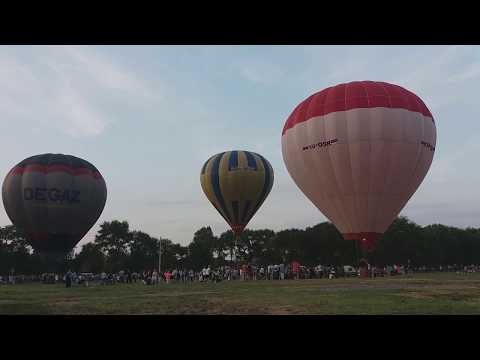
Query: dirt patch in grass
(66,302)
(416,295)
(284,310)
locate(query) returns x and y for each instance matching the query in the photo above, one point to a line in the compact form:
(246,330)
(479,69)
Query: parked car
(350,271)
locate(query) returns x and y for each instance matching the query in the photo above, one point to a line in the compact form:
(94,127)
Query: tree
(201,248)
(404,241)
(286,246)
(15,252)
(175,255)
(116,248)
(143,252)
(225,247)
(255,245)
(90,259)
(323,244)
(114,240)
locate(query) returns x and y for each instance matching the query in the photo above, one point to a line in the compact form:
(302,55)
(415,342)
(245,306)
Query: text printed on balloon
(43,194)
(320,144)
(428,146)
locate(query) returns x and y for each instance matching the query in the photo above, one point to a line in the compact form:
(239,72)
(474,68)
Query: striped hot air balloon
(55,199)
(237,183)
(359,151)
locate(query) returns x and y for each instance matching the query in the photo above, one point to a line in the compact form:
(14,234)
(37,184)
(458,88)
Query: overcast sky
(148,117)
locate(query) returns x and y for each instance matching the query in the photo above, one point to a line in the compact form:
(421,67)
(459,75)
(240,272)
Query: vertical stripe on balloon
(223,216)
(205,165)
(215,180)
(233,161)
(251,160)
(235,211)
(245,211)
(266,184)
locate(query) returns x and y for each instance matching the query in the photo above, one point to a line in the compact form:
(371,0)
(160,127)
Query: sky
(148,117)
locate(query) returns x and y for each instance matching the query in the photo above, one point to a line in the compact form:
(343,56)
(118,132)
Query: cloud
(67,88)
(83,120)
(429,71)
(259,71)
(472,72)
(442,76)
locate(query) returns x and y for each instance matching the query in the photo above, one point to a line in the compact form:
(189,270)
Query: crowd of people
(293,271)
(242,272)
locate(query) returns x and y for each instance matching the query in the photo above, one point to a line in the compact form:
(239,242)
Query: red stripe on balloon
(356,95)
(47,169)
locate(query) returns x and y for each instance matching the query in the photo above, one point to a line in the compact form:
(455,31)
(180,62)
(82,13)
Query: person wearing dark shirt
(68,279)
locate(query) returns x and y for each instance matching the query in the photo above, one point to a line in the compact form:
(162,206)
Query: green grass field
(441,293)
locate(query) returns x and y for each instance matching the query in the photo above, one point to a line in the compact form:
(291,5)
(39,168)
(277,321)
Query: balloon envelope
(237,183)
(55,199)
(359,151)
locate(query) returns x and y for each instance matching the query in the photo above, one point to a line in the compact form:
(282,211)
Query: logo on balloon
(320,144)
(53,194)
(428,146)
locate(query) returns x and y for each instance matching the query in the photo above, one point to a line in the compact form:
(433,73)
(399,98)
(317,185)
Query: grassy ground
(439,293)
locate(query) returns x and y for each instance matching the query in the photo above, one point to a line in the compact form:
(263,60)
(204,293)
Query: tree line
(116,247)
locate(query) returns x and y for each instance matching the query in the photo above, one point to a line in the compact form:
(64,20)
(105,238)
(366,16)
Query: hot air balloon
(359,151)
(55,199)
(237,183)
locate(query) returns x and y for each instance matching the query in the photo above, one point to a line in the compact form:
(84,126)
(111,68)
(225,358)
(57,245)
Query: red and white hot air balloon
(359,151)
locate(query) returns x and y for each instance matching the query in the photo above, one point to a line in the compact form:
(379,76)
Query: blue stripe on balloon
(205,165)
(233,161)
(215,178)
(245,210)
(235,211)
(251,160)
(266,184)
(216,208)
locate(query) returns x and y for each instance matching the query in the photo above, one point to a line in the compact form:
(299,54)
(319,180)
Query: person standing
(168,276)
(68,279)
(207,272)
(11,277)
(296,269)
